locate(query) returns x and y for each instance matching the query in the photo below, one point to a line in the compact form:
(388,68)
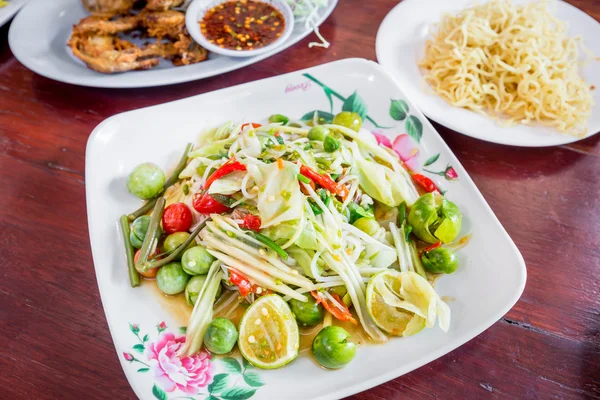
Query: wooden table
(56,342)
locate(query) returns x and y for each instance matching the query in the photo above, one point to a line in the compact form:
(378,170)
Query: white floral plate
(484,287)
(400,45)
(44,50)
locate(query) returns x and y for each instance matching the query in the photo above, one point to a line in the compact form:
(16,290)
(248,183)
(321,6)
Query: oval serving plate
(44,50)
(484,288)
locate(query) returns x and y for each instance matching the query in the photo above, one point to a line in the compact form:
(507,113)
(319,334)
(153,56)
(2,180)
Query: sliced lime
(396,321)
(269,336)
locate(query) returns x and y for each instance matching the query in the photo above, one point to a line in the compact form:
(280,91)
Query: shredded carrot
(279,163)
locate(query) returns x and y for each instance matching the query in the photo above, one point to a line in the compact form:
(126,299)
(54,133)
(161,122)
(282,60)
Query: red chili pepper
(177,218)
(225,169)
(429,248)
(243,284)
(324,180)
(252,222)
(254,125)
(342,315)
(204,203)
(425,183)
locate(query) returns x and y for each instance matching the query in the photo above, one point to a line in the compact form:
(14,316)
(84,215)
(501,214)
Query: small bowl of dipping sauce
(240,28)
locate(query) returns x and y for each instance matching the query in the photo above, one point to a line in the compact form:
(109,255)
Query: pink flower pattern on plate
(187,374)
(407,151)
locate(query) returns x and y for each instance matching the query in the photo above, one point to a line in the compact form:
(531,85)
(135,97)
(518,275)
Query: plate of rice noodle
(520,73)
(133,43)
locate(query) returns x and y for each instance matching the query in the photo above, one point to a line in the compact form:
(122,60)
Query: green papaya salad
(310,225)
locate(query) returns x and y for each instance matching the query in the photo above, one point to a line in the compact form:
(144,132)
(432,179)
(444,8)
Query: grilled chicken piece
(108,7)
(188,51)
(102,25)
(163,5)
(109,54)
(163,24)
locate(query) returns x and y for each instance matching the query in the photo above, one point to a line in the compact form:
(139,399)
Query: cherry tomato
(206,204)
(151,273)
(251,222)
(177,218)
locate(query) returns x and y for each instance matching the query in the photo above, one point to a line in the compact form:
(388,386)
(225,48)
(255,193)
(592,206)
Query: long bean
(152,235)
(178,251)
(270,244)
(134,276)
(174,177)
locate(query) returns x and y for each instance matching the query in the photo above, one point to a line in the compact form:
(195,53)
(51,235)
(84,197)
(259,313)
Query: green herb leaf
(354,103)
(357,212)
(159,393)
(219,383)
(431,160)
(325,116)
(253,379)
(139,347)
(237,393)
(398,110)
(315,208)
(143,370)
(414,128)
(232,365)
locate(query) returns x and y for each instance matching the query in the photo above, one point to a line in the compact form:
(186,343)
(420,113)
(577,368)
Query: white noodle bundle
(512,62)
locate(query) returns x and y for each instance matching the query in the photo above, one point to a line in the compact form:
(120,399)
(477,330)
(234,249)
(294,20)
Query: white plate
(400,45)
(44,50)
(7,12)
(484,287)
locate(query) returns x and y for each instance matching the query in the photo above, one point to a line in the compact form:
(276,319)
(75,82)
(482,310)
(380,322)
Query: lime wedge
(393,319)
(269,336)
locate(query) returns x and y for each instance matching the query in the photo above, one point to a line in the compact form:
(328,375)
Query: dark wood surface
(55,340)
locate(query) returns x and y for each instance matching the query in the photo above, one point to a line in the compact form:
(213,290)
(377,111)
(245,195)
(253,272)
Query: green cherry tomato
(145,181)
(331,144)
(440,261)
(368,225)
(196,260)
(434,218)
(278,118)
(172,279)
(138,231)
(339,290)
(193,288)
(332,349)
(174,240)
(318,133)
(308,313)
(348,119)
(221,335)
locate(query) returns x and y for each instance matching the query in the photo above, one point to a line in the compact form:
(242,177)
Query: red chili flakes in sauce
(242,25)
